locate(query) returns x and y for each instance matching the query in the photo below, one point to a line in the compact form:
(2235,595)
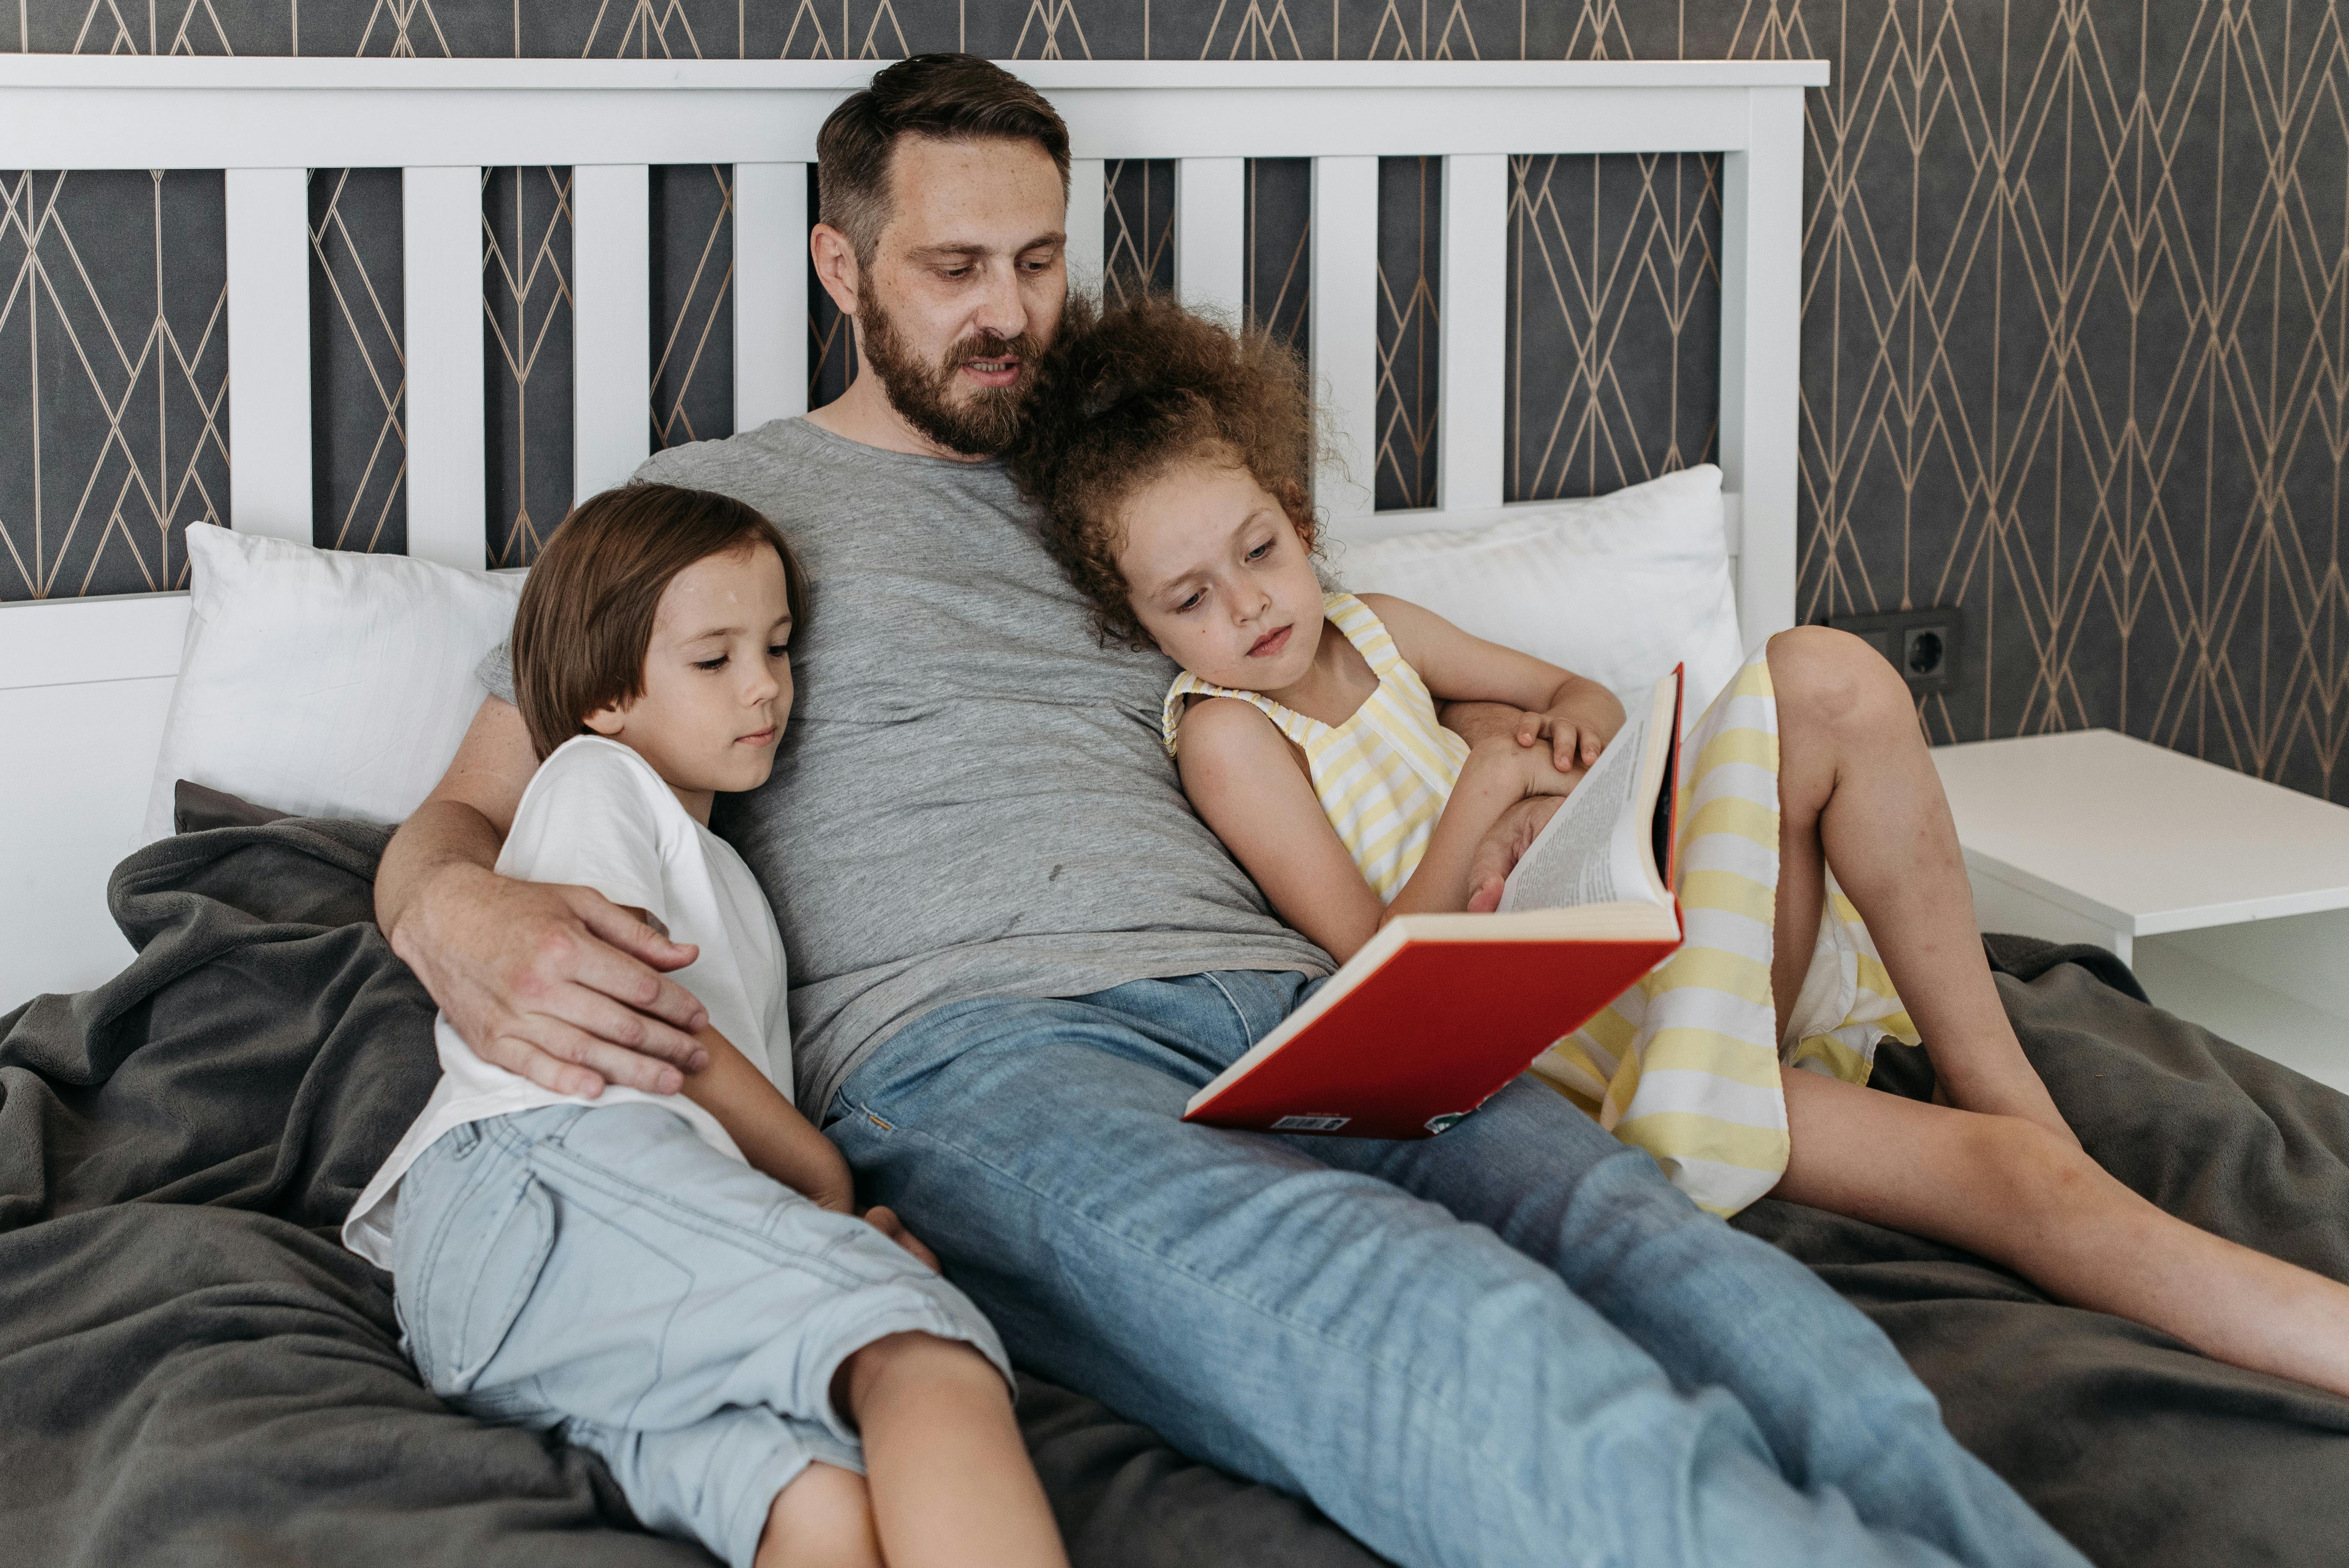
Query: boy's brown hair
(954,98)
(1123,395)
(586,620)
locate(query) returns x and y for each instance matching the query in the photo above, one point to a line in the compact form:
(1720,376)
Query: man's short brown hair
(954,98)
(586,620)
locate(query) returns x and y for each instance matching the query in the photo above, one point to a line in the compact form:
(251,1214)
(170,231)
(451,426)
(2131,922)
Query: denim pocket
(483,1277)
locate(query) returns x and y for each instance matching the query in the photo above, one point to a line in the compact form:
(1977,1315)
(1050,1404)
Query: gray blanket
(194,1371)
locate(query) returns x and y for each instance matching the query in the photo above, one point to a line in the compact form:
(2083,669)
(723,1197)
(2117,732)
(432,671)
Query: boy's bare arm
(556,984)
(769,1128)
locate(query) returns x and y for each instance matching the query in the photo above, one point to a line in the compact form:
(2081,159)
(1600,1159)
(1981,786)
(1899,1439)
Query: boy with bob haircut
(680,1283)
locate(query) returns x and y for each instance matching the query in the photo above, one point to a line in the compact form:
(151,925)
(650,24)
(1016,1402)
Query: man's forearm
(442,834)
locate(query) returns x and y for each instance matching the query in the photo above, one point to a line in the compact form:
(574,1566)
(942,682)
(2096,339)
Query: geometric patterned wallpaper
(114,361)
(2075,311)
(526,362)
(356,378)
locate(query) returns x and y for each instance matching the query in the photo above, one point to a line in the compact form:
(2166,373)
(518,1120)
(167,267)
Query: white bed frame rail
(84,684)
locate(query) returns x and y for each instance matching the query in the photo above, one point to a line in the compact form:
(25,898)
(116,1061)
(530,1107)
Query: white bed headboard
(84,684)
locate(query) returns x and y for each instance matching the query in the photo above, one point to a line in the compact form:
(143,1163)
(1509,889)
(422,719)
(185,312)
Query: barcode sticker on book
(1310,1123)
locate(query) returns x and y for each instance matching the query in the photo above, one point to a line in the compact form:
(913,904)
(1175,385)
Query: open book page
(1589,853)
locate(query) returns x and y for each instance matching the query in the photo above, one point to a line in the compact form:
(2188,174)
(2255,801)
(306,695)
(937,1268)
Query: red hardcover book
(1438,1011)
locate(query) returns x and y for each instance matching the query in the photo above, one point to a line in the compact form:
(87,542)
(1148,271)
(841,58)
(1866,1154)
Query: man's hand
(886,1220)
(556,984)
(1497,852)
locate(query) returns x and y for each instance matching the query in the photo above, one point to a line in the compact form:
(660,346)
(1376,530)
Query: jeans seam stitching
(436,1245)
(513,1309)
(750,1499)
(1248,1031)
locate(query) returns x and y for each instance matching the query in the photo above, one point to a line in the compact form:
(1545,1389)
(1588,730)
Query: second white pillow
(321,682)
(1619,587)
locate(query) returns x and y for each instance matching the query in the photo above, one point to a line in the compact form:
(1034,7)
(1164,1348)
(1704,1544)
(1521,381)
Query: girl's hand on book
(1578,725)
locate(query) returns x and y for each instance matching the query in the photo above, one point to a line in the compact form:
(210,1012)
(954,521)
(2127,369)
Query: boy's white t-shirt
(596,815)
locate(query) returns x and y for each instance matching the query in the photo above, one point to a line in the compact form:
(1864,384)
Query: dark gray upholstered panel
(1137,227)
(526,356)
(1411,231)
(113,378)
(2076,316)
(693,305)
(358,385)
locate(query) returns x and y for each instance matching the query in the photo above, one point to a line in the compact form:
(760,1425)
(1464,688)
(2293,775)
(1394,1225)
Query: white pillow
(322,681)
(1618,587)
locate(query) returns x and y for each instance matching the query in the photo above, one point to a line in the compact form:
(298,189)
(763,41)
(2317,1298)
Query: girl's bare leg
(1857,791)
(2014,1192)
(948,1475)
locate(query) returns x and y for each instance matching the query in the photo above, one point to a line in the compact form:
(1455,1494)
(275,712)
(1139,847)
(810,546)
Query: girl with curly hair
(1172,458)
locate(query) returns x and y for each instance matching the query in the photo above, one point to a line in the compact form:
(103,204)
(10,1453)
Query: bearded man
(1015,952)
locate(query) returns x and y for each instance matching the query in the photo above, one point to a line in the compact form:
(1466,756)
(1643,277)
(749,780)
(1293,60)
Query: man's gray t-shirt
(972,797)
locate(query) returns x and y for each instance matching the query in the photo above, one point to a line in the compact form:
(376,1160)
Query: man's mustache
(988,345)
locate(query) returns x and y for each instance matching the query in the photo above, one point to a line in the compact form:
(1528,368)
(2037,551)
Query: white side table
(2228,895)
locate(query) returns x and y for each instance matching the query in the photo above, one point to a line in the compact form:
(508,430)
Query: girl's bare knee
(1832,678)
(822,1517)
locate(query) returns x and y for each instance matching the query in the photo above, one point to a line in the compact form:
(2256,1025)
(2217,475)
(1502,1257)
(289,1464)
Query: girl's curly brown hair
(1128,392)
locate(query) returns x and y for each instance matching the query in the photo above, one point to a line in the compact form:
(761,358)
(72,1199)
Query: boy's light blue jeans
(601,1271)
(1513,1344)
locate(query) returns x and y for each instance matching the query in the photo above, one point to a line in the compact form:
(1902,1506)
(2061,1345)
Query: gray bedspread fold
(194,1371)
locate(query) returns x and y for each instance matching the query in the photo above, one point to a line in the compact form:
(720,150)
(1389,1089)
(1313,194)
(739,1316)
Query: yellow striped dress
(1684,1064)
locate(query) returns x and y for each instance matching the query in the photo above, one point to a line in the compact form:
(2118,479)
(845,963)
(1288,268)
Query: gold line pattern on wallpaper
(2075,358)
(526,301)
(118,441)
(696,333)
(1637,310)
(369,329)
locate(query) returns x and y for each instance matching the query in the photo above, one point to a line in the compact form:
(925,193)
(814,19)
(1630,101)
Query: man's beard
(985,420)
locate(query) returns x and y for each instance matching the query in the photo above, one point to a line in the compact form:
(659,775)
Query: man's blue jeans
(1513,1344)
